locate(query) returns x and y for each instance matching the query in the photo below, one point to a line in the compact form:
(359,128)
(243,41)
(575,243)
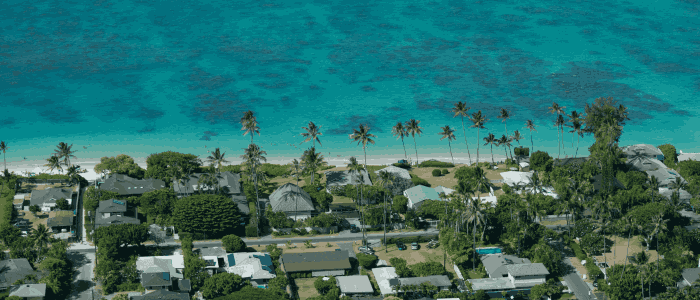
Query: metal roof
(357,284)
(316,261)
(419,193)
(436,280)
(289,198)
(111,206)
(125,185)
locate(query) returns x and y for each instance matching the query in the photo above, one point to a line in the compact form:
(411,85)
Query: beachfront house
(29,291)
(508,273)
(293,201)
(354,286)
(115,220)
(339,179)
(128,186)
(61,222)
(688,277)
(688,156)
(643,150)
(418,194)
(329,263)
(46,199)
(112,207)
(12,270)
(402,179)
(228,182)
(253,266)
(441,189)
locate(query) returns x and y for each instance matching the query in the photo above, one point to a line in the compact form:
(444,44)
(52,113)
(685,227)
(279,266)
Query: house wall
(526,281)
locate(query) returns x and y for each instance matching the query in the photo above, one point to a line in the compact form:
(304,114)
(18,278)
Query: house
(387,279)
(644,164)
(524,167)
(254,266)
(509,273)
(418,193)
(689,276)
(665,176)
(128,186)
(329,263)
(19,201)
(402,179)
(569,161)
(29,291)
(688,156)
(61,222)
(683,195)
(441,189)
(644,150)
(115,220)
(12,270)
(229,182)
(442,282)
(293,201)
(112,207)
(347,177)
(354,286)
(46,199)
(163,295)
(242,204)
(160,273)
(523,178)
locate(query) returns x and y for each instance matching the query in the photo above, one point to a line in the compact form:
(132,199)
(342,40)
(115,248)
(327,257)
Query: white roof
(20,196)
(357,284)
(524,164)
(161,264)
(441,189)
(399,172)
(512,177)
(249,265)
(382,275)
(490,199)
(688,156)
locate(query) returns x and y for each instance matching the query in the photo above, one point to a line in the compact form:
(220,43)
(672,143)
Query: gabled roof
(493,263)
(642,149)
(316,261)
(396,171)
(112,206)
(287,197)
(419,193)
(527,269)
(347,177)
(163,295)
(441,189)
(114,220)
(50,195)
(357,284)
(60,218)
(436,280)
(28,290)
(691,275)
(683,194)
(384,276)
(125,185)
(226,179)
(665,176)
(156,279)
(13,269)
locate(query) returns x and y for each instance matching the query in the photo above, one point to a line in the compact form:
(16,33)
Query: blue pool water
(488,251)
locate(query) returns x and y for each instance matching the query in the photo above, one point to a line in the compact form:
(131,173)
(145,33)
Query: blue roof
(166,276)
(231,260)
(265,260)
(419,193)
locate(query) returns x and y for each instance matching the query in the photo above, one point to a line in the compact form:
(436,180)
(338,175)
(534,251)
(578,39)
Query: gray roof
(114,220)
(184,285)
(357,284)
(163,295)
(569,161)
(342,178)
(436,280)
(112,206)
(316,261)
(242,204)
(125,185)
(287,197)
(527,269)
(502,283)
(691,275)
(683,194)
(212,251)
(642,149)
(665,176)
(50,195)
(396,171)
(226,179)
(156,279)
(29,290)
(688,156)
(60,218)
(642,163)
(13,269)
(493,262)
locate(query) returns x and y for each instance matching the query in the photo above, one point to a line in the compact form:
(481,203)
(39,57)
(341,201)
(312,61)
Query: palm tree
(356,168)
(207,179)
(475,215)
(466,190)
(385,179)
(653,186)
(53,163)
(531,126)
(491,140)
(312,161)
(73,174)
(250,125)
(678,185)
(41,237)
(516,137)
(660,226)
(217,158)
(502,142)
(577,128)
(64,151)
(400,132)
(559,122)
(448,133)
(630,224)
(3,147)
(505,115)
(559,110)
(363,136)
(253,155)
(479,122)
(413,128)
(311,134)
(535,184)
(461,109)
(296,171)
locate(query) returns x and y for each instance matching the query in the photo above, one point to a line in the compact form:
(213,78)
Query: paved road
(576,284)
(83,264)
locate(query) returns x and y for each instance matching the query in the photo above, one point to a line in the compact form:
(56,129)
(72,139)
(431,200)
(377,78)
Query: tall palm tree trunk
(405,154)
(492,154)
(465,141)
(477,147)
(416,146)
(558,144)
(450,144)
(386,248)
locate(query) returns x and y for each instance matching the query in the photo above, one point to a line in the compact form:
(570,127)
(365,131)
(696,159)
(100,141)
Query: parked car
(400,245)
(433,244)
(403,161)
(365,249)
(354,229)
(414,246)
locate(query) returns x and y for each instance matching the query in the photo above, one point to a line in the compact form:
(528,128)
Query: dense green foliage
(214,215)
(116,265)
(419,181)
(158,205)
(272,170)
(319,196)
(541,161)
(549,289)
(324,286)
(399,204)
(436,164)
(427,269)
(121,164)
(222,284)
(670,155)
(401,267)
(62,204)
(169,165)
(251,293)
(436,173)
(322,220)
(93,196)
(521,151)
(233,243)
(367,261)
(405,166)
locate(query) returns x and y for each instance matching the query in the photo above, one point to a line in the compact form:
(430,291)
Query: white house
(253,266)
(509,273)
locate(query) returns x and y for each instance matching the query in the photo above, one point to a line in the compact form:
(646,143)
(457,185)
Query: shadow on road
(78,259)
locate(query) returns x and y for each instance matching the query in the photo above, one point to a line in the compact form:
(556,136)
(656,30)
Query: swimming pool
(493,250)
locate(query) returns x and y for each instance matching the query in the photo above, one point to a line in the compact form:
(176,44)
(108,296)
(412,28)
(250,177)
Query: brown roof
(316,261)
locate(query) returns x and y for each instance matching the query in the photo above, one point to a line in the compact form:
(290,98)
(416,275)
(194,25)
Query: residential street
(83,265)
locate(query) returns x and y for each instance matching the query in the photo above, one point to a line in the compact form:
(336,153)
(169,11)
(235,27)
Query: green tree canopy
(168,165)
(427,269)
(233,243)
(214,214)
(222,284)
(62,204)
(541,161)
(399,204)
(367,261)
(670,156)
(324,286)
(158,203)
(121,164)
(251,293)
(93,197)
(621,288)
(124,234)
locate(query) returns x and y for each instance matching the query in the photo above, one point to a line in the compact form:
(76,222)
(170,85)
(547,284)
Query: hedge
(410,239)
(437,164)
(577,249)
(251,231)
(419,181)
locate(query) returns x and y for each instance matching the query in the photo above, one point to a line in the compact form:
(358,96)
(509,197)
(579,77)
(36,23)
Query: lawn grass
(306,288)
(415,256)
(342,200)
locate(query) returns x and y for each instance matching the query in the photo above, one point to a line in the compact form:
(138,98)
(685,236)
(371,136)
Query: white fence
(322,230)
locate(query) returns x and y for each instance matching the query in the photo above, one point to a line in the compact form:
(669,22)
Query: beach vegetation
(448,133)
(120,164)
(213,215)
(405,166)
(252,158)
(670,155)
(419,181)
(3,148)
(170,165)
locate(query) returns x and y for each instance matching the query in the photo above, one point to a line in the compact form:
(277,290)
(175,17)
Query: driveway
(351,252)
(83,266)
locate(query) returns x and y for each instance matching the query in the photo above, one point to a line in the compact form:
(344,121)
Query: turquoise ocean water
(141,77)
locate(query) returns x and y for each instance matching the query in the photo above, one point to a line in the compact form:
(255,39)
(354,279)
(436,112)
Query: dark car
(353,228)
(403,161)
(400,245)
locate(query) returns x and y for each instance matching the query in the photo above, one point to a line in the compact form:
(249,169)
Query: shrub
(251,231)
(399,204)
(314,232)
(436,172)
(428,269)
(670,158)
(367,261)
(593,271)
(300,231)
(233,243)
(323,286)
(521,151)
(419,181)
(168,231)
(541,161)
(445,172)
(321,220)
(402,165)
(506,188)
(434,163)
(273,170)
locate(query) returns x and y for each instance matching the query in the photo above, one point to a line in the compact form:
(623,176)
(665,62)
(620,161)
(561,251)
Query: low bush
(419,181)
(593,271)
(436,172)
(434,163)
(273,170)
(367,261)
(251,231)
(445,172)
(314,232)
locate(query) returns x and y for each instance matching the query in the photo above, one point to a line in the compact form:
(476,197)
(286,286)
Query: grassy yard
(342,200)
(306,288)
(415,256)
